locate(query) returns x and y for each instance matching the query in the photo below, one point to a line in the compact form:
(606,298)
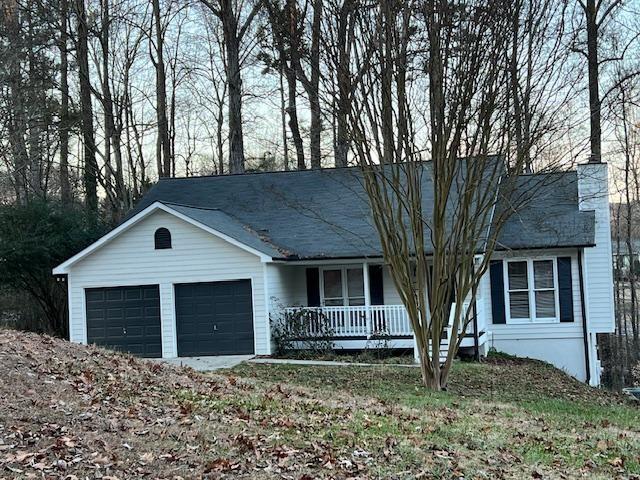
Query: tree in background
(35,238)
(90,174)
(623,352)
(234,31)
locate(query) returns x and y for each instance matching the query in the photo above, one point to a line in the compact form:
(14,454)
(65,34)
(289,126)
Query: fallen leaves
(73,412)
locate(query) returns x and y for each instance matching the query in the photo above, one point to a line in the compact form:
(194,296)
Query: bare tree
(345,25)
(311,79)
(597,14)
(284,27)
(163,149)
(65,189)
(90,175)
(234,30)
(433,248)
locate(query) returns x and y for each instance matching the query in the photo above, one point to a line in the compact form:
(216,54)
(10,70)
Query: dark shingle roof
(226,224)
(325,213)
(545,214)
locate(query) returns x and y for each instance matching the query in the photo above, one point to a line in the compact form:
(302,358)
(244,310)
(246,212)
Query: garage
(125,319)
(214,318)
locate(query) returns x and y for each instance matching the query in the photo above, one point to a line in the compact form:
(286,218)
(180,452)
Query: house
(202,263)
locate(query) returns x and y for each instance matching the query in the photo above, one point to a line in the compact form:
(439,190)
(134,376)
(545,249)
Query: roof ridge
(191,206)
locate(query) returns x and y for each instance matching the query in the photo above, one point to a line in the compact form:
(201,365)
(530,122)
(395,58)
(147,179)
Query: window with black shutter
(162,239)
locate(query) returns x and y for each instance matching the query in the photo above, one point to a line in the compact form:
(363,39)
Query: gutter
(585,333)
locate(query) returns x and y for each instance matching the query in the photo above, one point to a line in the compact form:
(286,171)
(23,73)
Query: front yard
(69,411)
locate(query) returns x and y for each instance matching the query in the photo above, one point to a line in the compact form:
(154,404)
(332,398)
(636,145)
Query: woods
(101,98)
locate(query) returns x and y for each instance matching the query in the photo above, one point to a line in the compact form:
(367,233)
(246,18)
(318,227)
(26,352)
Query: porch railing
(357,321)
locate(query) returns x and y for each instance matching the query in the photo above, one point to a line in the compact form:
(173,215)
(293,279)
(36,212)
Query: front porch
(356,327)
(370,327)
(354,305)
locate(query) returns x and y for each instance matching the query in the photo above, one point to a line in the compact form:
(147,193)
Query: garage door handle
(215,328)
(124,331)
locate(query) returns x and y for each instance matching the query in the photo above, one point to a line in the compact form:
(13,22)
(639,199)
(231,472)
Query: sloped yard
(68,411)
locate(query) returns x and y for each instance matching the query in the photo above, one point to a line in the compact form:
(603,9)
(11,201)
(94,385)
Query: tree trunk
(234,79)
(163,153)
(65,189)
(283,117)
(310,83)
(314,87)
(17,127)
(294,126)
(107,108)
(90,165)
(594,85)
(344,86)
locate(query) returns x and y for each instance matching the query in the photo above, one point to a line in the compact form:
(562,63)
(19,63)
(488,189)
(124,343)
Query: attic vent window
(162,239)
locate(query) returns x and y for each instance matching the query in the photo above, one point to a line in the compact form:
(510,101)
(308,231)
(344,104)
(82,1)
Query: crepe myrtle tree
(437,248)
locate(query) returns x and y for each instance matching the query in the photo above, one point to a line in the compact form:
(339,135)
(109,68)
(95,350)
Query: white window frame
(533,318)
(345,286)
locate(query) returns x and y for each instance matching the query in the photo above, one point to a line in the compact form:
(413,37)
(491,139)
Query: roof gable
(262,250)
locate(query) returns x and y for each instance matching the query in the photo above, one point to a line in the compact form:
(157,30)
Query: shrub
(301,329)
(34,238)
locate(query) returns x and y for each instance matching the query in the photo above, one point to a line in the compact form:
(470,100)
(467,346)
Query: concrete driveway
(206,364)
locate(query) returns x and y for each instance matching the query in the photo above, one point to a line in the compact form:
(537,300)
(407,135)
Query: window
(162,239)
(544,289)
(532,291)
(518,290)
(333,291)
(343,286)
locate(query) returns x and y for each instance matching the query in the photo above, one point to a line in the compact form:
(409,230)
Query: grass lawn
(75,412)
(509,411)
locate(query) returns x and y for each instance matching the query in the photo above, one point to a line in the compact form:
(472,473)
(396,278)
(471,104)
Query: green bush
(34,238)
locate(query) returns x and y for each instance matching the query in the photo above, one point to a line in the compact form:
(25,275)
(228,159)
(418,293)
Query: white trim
(267,305)
(333,261)
(533,318)
(175,320)
(70,310)
(85,333)
(64,267)
(367,287)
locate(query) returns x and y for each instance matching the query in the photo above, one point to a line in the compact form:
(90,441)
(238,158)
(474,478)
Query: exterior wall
(287,286)
(561,344)
(593,192)
(196,256)
(565,353)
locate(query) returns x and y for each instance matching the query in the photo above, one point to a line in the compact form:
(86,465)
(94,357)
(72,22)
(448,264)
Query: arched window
(162,239)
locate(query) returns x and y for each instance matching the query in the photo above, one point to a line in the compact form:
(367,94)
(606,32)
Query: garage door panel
(210,315)
(125,319)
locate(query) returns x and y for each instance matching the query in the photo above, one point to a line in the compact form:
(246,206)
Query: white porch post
(367,297)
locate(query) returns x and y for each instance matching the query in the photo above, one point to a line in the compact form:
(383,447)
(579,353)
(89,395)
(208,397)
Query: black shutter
(376,289)
(565,286)
(496,274)
(313,287)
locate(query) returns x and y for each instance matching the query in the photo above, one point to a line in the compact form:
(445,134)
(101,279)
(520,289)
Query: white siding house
(204,264)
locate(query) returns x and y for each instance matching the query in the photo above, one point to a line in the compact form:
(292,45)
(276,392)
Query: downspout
(585,333)
(475,332)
